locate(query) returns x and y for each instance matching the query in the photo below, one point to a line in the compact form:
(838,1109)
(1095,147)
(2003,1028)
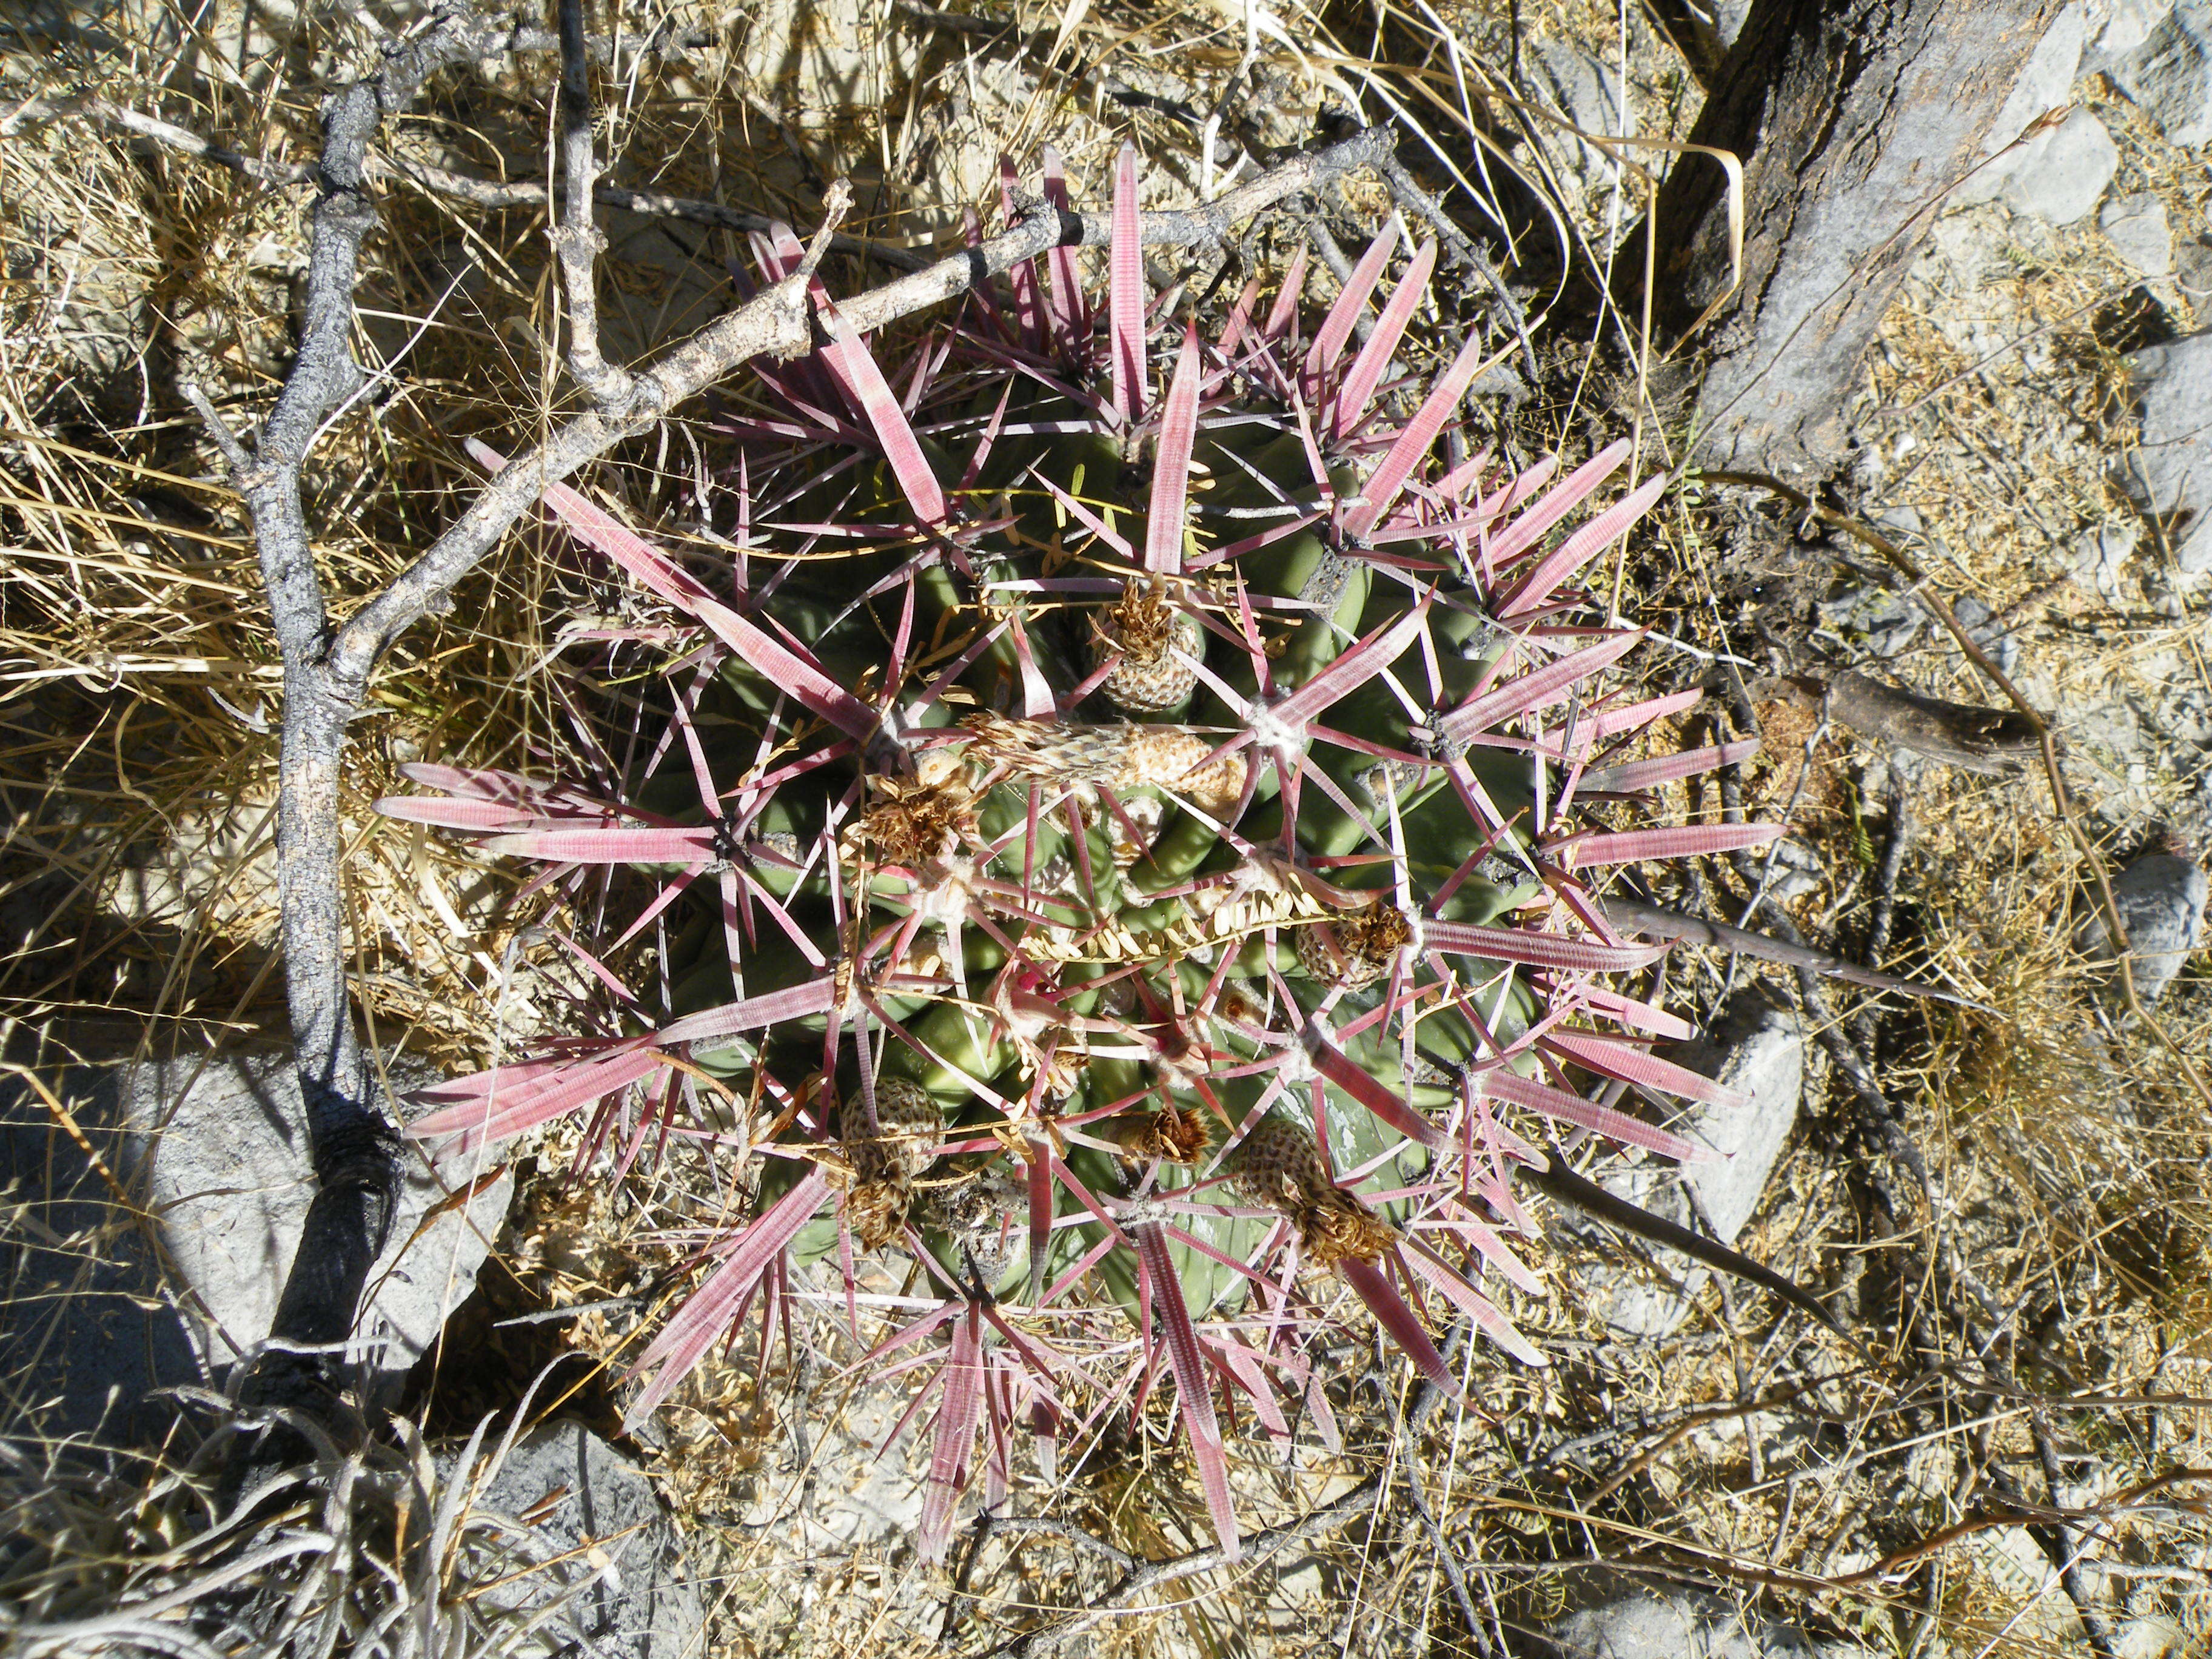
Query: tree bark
(1852,120)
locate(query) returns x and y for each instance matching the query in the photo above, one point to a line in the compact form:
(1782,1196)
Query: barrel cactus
(1122,839)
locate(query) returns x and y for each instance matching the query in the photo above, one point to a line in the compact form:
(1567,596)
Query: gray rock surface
(1757,1048)
(596,1516)
(1902,520)
(2170,74)
(2192,266)
(2149,1636)
(1877,619)
(2001,644)
(2169,473)
(1728,18)
(2162,903)
(1584,89)
(2045,82)
(2145,734)
(2058,176)
(161,1265)
(2101,555)
(2137,228)
(865,1490)
(1791,870)
(2117,27)
(229,1176)
(1624,1619)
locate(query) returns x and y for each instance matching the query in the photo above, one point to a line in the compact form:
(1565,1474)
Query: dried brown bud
(909,826)
(1356,948)
(1174,1136)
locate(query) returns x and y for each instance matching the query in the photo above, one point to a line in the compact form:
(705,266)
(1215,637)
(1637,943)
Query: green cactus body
(1126,801)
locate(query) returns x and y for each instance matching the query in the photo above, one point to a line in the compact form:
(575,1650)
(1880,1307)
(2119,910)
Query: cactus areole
(1122,839)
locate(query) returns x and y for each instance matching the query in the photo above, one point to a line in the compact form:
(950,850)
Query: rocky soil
(2004,1192)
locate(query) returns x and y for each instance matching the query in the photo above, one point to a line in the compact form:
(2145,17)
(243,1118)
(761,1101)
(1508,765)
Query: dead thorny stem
(432,179)
(1924,590)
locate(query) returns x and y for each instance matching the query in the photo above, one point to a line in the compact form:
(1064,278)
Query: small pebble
(2137,228)
(2162,903)
(1999,641)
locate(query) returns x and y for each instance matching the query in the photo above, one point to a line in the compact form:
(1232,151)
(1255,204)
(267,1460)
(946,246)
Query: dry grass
(134,660)
(382,1553)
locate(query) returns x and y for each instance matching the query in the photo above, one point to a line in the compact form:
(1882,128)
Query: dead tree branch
(1633,916)
(488,193)
(577,242)
(778,322)
(1852,119)
(353,1146)
(1996,742)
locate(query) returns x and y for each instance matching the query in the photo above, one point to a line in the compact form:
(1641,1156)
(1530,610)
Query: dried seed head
(877,1210)
(908,1119)
(1049,750)
(1276,1167)
(1343,1229)
(1365,941)
(909,1123)
(1146,632)
(1171,758)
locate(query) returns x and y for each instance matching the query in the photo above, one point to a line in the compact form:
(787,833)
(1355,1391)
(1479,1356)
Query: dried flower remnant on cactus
(1357,947)
(1169,1136)
(912,824)
(1118,755)
(1278,1167)
(1235,791)
(1148,649)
